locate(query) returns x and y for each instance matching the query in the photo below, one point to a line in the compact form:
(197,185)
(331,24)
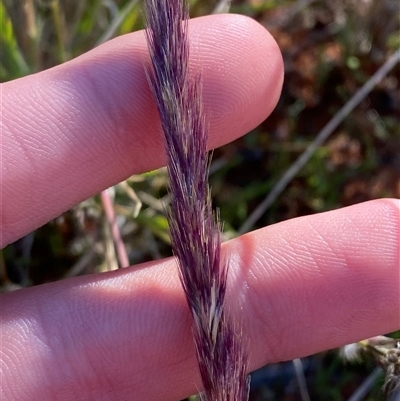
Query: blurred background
(330,50)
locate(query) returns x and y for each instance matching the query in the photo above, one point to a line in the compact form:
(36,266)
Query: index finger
(76,129)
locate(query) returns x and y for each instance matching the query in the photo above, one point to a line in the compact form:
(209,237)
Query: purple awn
(195,230)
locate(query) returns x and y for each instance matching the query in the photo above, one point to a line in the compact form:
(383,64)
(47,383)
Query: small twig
(117,21)
(110,262)
(157,204)
(297,8)
(319,140)
(82,264)
(301,380)
(59,25)
(115,232)
(366,385)
(137,203)
(222,6)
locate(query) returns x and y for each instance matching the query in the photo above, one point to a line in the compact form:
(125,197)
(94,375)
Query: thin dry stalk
(321,137)
(119,245)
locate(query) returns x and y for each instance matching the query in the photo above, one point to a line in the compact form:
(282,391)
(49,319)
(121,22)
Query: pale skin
(299,287)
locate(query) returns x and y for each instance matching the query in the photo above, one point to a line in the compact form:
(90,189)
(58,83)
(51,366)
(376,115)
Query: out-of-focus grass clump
(330,50)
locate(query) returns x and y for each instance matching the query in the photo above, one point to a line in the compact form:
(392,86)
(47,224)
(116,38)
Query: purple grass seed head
(195,231)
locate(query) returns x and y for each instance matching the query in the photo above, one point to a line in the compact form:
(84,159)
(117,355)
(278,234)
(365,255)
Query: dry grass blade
(117,21)
(108,206)
(366,386)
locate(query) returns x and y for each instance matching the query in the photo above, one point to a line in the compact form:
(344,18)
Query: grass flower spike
(195,231)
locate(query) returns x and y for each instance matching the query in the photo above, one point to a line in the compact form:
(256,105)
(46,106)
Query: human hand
(305,285)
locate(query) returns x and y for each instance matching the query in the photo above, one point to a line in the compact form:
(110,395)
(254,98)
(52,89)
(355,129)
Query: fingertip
(321,281)
(243,71)
(90,123)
